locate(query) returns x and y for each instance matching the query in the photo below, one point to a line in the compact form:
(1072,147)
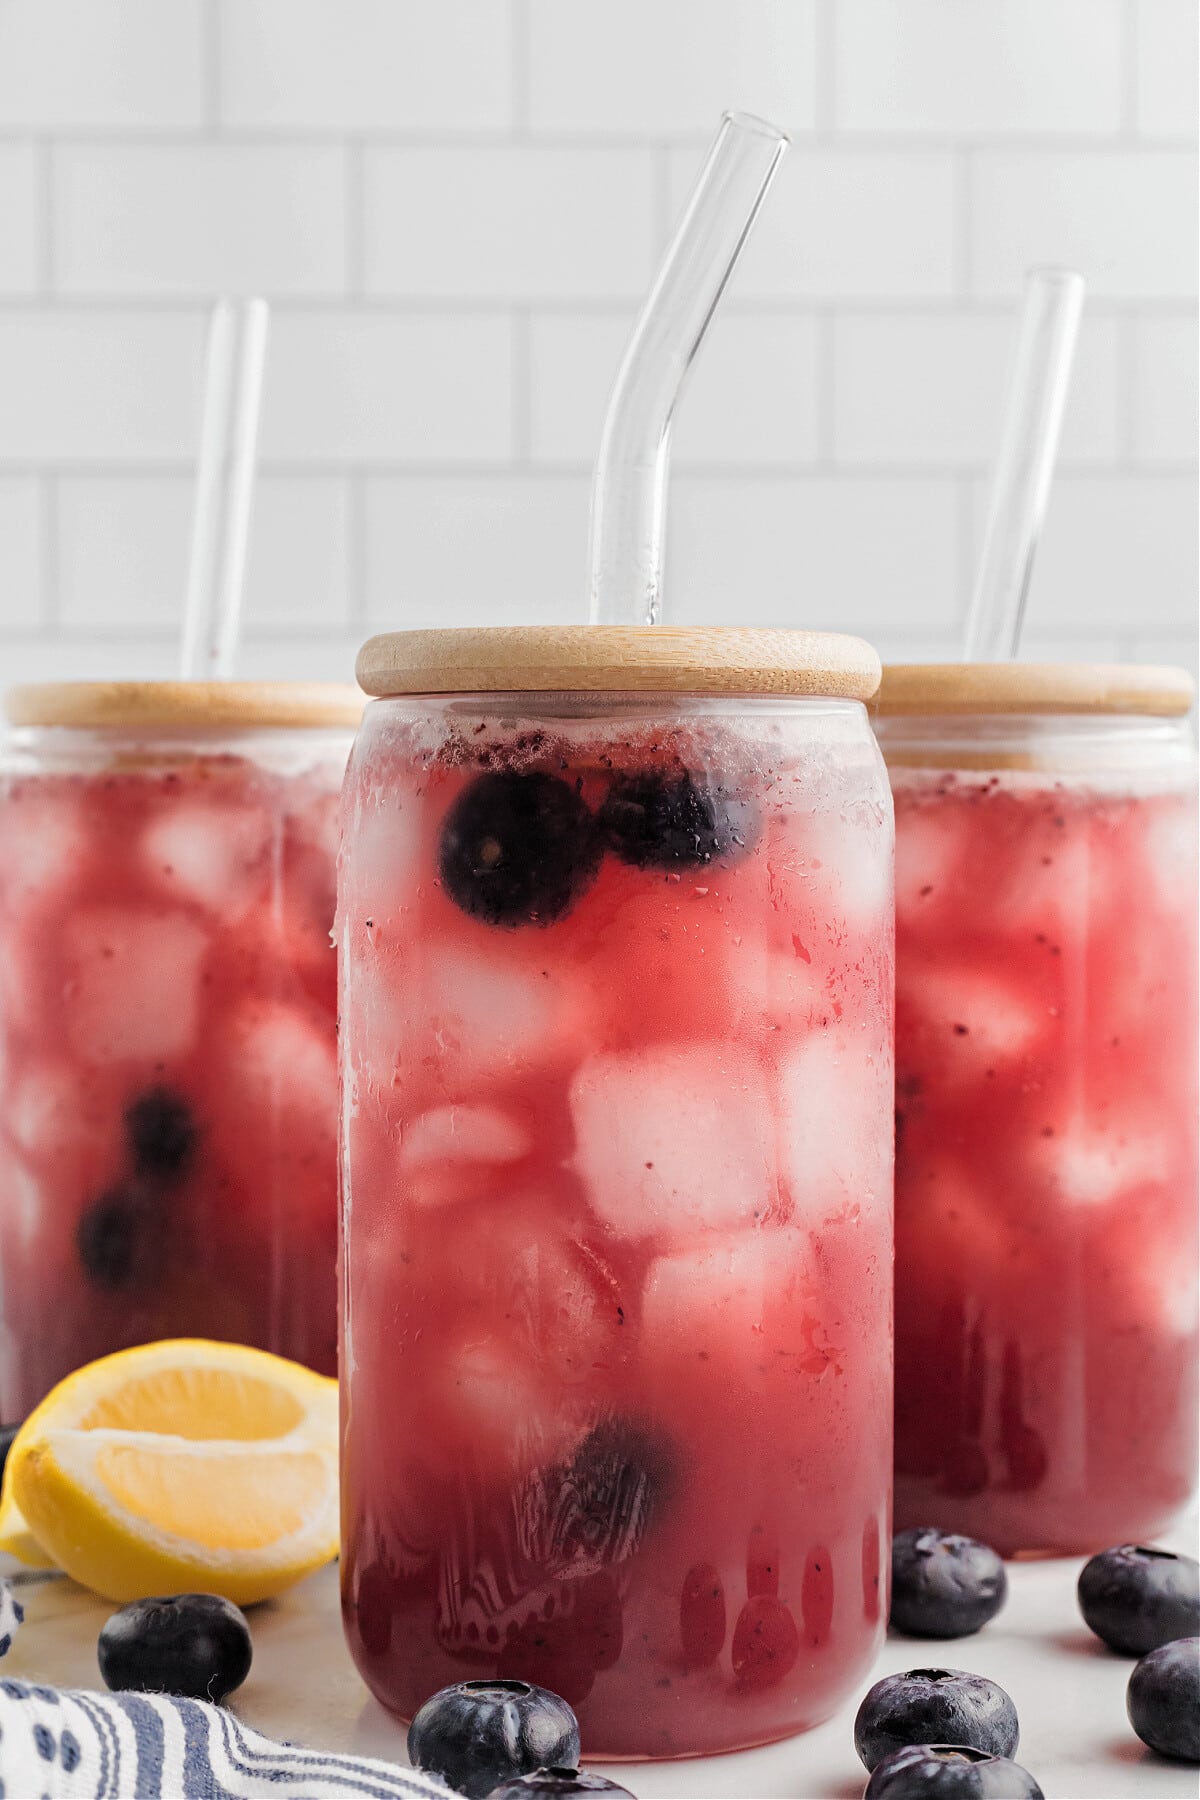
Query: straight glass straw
(233,382)
(1037,394)
(630,484)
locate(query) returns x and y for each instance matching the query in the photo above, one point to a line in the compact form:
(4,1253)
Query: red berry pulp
(617,1219)
(1046,1347)
(168,1008)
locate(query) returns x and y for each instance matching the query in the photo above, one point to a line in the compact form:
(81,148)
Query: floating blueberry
(612,1490)
(666,822)
(518,849)
(935,1706)
(949,1772)
(120,1239)
(1136,1599)
(944,1586)
(161,1134)
(478,1734)
(556,1781)
(1163,1699)
(192,1644)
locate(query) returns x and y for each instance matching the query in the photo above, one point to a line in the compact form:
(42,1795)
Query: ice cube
(984,1019)
(727,1287)
(215,855)
(1056,887)
(1170,850)
(25,1209)
(841,858)
(383,872)
(43,1113)
(45,842)
(836,1091)
(675,1136)
(285,1056)
(1091,1163)
(132,988)
(459,1134)
(928,847)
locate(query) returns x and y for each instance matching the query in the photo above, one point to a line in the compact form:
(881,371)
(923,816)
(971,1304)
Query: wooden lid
(940,689)
(198,705)
(619,658)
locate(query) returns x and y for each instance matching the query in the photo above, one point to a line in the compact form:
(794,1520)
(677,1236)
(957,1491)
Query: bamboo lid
(941,689)
(620,659)
(198,705)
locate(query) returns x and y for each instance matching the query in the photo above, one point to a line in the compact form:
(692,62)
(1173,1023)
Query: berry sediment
(1046,1157)
(616,1415)
(168,1011)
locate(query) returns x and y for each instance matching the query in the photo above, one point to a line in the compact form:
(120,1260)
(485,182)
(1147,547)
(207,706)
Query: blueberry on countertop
(478,1734)
(197,1645)
(556,1782)
(1163,1699)
(518,849)
(935,1706)
(949,1772)
(1136,1598)
(161,1134)
(667,822)
(944,1586)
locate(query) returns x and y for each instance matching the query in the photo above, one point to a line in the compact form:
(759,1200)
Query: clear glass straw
(630,484)
(1037,395)
(233,382)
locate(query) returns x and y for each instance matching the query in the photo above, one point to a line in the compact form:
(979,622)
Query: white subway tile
(1166,403)
(1080,646)
(1125,218)
(366,65)
(967,67)
(509,223)
(837,555)
(116,385)
(173,219)
(21,595)
(932,389)
(476,551)
(1118,555)
(1175,652)
(662,68)
(78,64)
(18,210)
(123,547)
(352,386)
(751,397)
(847,225)
(1167,55)
(89,659)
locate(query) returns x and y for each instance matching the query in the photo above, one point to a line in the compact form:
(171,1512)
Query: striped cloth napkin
(89,1746)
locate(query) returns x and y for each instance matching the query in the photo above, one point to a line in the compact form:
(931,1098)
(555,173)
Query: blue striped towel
(89,1746)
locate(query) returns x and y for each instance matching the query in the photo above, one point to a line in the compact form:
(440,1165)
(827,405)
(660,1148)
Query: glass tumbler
(615,933)
(1046,1345)
(168,1106)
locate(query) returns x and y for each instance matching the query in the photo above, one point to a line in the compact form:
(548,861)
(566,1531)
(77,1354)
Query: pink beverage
(167,1021)
(1046,1176)
(617,1137)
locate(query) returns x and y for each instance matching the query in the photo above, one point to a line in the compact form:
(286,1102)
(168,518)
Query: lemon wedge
(178,1465)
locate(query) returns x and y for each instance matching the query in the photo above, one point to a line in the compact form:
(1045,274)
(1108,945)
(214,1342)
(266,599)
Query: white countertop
(1069,1693)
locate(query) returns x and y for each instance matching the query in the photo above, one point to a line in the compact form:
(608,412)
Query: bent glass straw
(233,381)
(1037,395)
(630,482)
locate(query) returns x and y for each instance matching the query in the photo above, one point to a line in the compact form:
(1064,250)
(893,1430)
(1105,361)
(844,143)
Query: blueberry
(944,1586)
(1136,1599)
(556,1781)
(192,1644)
(161,1134)
(596,1509)
(1163,1699)
(478,1734)
(949,1772)
(935,1706)
(121,1239)
(518,849)
(665,822)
